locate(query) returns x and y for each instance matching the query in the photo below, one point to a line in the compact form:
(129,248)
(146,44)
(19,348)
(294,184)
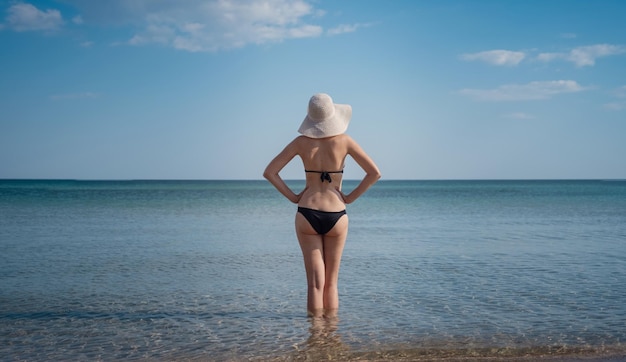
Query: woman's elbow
(268,174)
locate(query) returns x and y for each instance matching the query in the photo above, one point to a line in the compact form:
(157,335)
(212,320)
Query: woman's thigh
(312,247)
(333,245)
(322,251)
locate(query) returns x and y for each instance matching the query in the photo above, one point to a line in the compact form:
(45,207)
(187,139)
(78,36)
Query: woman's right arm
(372,174)
(276,165)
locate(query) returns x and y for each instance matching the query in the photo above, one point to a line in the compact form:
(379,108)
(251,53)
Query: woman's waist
(325,201)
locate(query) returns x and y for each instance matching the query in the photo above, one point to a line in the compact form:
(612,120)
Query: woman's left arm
(372,173)
(276,165)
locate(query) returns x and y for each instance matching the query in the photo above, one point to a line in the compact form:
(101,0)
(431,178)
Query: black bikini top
(325,175)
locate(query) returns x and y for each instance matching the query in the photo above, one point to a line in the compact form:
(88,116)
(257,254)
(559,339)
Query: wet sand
(544,354)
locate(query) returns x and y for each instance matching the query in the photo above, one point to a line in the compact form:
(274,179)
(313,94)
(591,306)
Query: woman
(321,220)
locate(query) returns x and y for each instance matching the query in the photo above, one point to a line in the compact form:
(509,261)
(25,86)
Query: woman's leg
(333,244)
(322,257)
(312,247)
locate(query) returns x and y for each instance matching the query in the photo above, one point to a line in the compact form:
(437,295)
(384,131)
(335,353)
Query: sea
(212,271)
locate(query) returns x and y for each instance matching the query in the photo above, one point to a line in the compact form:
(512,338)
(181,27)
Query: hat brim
(333,126)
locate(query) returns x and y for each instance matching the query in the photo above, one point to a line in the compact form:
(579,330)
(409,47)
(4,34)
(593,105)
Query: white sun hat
(325,118)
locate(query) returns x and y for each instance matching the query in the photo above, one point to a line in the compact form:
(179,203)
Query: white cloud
(620,103)
(615,106)
(496,57)
(620,92)
(154,34)
(191,25)
(207,25)
(344,28)
(521,92)
(26,17)
(585,55)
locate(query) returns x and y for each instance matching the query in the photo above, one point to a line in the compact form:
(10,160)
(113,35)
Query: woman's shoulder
(301,141)
(345,139)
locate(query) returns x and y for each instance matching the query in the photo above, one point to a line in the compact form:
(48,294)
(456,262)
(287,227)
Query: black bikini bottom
(321,221)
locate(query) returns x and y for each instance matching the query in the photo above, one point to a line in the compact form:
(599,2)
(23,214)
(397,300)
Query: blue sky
(164,89)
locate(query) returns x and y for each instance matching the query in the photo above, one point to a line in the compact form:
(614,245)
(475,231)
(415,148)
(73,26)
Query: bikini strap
(325,175)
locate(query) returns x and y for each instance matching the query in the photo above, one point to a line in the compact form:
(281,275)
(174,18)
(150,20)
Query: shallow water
(194,270)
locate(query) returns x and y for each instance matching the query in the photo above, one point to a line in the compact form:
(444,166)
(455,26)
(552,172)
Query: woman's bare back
(323,154)
(323,160)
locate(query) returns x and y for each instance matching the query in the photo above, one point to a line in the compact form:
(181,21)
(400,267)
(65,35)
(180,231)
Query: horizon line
(242,179)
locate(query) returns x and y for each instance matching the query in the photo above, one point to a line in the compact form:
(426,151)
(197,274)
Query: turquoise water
(196,270)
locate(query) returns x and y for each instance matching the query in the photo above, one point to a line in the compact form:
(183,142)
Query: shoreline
(328,349)
(545,354)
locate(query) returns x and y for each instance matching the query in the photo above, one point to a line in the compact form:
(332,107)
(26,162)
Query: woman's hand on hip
(297,197)
(344,197)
